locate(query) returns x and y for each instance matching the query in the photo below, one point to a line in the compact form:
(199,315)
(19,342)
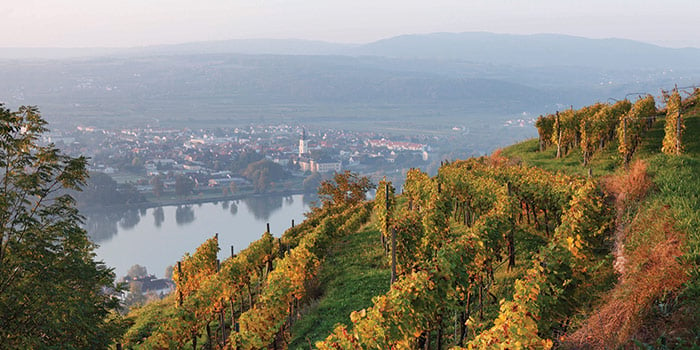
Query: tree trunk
(439,332)
(222,321)
(233,315)
(527,212)
(481,301)
(208,336)
(511,248)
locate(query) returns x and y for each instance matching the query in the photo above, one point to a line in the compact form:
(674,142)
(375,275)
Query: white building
(303,144)
(319,167)
(327,167)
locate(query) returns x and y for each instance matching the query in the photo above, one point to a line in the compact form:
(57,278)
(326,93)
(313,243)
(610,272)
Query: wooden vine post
(179,273)
(678,131)
(393,256)
(558,123)
(624,140)
(511,235)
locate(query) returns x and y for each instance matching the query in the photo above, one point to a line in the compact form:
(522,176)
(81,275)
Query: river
(160,236)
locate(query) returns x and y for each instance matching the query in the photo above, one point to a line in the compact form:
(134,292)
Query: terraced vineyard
(588,237)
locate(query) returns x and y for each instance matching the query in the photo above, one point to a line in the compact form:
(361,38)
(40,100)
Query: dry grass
(647,250)
(629,187)
(653,273)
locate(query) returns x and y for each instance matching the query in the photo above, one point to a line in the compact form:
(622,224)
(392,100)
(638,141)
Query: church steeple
(303,143)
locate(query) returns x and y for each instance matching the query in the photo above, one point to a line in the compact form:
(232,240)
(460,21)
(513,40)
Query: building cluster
(152,284)
(322,164)
(218,157)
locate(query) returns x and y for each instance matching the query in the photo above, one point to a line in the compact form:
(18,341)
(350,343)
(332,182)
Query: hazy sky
(111,23)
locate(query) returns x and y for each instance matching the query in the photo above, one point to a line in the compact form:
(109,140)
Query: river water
(159,237)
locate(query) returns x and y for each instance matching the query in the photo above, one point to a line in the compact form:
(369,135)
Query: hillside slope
(490,253)
(658,204)
(354,272)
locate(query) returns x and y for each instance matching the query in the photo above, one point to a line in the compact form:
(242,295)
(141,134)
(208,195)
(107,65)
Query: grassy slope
(608,160)
(355,272)
(676,186)
(676,179)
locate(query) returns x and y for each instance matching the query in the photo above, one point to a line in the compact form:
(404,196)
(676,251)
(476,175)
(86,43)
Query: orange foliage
(497,154)
(653,272)
(630,186)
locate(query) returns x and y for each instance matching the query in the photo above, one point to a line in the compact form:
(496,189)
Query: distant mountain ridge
(425,75)
(218,84)
(505,49)
(534,50)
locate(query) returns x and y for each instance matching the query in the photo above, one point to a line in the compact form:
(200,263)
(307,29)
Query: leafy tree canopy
(244,159)
(52,291)
(136,271)
(101,190)
(183,186)
(312,182)
(263,172)
(345,188)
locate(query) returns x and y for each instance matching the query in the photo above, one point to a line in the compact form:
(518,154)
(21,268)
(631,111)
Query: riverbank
(159,237)
(201,198)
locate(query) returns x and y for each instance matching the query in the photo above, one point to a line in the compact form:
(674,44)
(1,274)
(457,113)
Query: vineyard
(586,237)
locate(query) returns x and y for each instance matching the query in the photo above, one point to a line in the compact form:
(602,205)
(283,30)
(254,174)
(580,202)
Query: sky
(127,23)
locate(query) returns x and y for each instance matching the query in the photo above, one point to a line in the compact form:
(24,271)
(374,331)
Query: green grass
(355,272)
(676,186)
(676,178)
(602,163)
(607,160)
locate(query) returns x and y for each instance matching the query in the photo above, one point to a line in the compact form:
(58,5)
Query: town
(169,164)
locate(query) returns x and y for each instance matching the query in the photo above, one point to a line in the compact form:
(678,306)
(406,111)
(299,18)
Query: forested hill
(587,237)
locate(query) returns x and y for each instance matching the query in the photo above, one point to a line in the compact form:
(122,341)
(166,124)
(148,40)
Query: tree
(169,272)
(232,188)
(183,186)
(135,296)
(137,271)
(244,159)
(52,291)
(263,172)
(345,188)
(312,182)
(101,190)
(157,184)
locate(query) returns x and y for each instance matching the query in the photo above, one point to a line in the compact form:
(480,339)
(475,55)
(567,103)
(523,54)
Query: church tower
(303,144)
